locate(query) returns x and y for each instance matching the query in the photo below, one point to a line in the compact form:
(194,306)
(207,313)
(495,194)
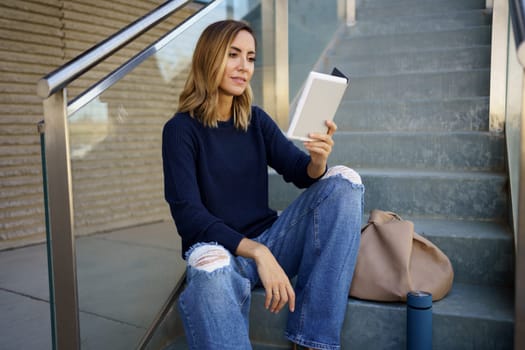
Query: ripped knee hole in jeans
(209,257)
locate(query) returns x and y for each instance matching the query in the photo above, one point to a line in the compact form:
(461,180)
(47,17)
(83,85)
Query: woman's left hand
(319,149)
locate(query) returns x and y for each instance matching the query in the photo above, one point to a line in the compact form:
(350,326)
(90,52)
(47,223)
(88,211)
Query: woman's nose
(242,64)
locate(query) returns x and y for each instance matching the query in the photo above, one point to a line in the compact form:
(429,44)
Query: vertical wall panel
(30,45)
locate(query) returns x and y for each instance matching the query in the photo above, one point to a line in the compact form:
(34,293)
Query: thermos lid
(419,299)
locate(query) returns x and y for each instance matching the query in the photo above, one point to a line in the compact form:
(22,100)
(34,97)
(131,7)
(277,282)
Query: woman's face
(240,64)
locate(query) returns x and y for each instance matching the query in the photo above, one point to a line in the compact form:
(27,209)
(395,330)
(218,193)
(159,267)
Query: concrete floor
(124,277)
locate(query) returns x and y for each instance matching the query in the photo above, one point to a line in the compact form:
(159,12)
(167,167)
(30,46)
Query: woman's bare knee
(346,172)
(209,257)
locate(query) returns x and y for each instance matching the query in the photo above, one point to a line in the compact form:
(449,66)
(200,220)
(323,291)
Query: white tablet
(318,103)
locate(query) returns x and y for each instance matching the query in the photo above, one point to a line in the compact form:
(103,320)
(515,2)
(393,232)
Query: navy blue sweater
(216,179)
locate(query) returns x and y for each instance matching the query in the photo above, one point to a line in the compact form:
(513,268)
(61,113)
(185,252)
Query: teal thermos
(419,320)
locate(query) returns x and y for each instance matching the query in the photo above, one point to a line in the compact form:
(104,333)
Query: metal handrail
(98,88)
(70,71)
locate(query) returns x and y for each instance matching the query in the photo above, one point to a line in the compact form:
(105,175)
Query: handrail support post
(350,12)
(60,208)
(498,64)
(276,87)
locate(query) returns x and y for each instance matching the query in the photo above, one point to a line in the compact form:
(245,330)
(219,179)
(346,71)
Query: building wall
(115,141)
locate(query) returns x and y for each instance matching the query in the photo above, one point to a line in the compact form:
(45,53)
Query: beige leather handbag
(393,260)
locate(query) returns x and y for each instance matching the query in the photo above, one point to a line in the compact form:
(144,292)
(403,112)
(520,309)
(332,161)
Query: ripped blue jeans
(316,239)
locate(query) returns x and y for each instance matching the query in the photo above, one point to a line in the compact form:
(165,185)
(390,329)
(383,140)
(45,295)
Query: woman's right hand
(279,290)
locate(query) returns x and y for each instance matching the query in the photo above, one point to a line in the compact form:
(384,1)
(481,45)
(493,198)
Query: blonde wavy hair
(200,96)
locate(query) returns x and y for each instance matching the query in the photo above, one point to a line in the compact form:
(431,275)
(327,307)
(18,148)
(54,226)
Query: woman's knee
(209,268)
(208,257)
(348,188)
(213,277)
(345,172)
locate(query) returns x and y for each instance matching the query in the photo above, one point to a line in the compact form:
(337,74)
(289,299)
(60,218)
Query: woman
(216,150)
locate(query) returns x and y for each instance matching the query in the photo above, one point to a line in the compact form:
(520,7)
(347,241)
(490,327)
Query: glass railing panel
(513,125)
(514,122)
(311,25)
(127,248)
(41,131)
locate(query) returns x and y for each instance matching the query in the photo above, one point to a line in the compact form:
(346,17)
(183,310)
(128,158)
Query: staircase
(415,124)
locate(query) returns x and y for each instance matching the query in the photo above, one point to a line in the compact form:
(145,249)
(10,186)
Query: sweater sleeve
(194,222)
(282,154)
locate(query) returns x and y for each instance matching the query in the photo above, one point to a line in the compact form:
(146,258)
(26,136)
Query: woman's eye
(232,54)
(252,59)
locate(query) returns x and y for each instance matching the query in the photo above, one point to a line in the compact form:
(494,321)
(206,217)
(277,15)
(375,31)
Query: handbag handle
(377,216)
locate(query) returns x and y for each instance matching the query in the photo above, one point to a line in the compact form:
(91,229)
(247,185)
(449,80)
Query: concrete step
(431,61)
(455,114)
(451,195)
(460,195)
(349,46)
(480,252)
(432,194)
(456,151)
(469,317)
(444,85)
(409,8)
(371,26)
